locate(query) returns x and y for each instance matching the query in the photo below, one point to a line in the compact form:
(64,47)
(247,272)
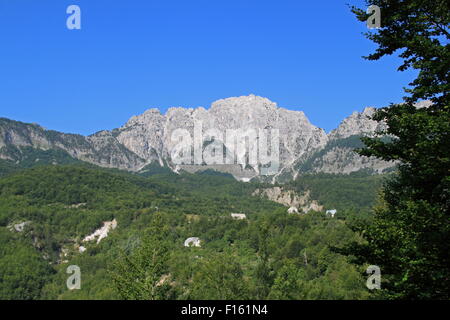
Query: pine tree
(142,275)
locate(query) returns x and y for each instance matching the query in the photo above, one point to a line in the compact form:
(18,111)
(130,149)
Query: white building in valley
(238,216)
(331,213)
(192,242)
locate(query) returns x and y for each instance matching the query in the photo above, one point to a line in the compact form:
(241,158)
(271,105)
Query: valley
(251,258)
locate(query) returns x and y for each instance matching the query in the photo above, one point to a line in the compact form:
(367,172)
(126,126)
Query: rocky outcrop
(338,155)
(343,159)
(358,123)
(290,199)
(102,232)
(101,148)
(150,134)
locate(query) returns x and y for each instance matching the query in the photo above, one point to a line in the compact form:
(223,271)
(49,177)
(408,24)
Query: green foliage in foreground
(409,237)
(269,255)
(244,260)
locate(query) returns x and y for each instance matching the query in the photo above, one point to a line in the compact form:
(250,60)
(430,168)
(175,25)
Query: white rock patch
(292,210)
(102,232)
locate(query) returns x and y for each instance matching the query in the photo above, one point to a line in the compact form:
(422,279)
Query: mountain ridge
(147,138)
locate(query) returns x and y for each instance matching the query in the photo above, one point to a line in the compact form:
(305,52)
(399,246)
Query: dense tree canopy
(144,257)
(410,234)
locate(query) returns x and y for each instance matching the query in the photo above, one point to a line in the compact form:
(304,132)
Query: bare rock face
(338,155)
(148,138)
(345,160)
(102,232)
(144,135)
(359,123)
(150,134)
(290,198)
(101,148)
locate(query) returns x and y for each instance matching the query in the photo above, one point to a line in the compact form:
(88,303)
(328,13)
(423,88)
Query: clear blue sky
(137,54)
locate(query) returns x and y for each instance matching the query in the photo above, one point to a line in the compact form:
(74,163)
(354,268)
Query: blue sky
(133,55)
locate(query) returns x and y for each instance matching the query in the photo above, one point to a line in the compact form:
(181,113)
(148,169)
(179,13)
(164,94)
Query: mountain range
(145,142)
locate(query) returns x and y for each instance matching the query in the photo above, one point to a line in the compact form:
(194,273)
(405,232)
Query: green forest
(269,255)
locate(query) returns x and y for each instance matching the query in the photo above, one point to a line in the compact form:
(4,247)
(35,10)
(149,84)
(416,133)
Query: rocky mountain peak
(243,103)
(148,116)
(369,111)
(358,123)
(148,138)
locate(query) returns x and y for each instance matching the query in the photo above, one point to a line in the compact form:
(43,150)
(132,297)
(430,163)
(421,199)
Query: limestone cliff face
(289,198)
(338,155)
(144,135)
(358,123)
(101,148)
(150,134)
(342,159)
(147,138)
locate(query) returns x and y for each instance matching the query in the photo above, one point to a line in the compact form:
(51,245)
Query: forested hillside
(355,191)
(270,254)
(27,157)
